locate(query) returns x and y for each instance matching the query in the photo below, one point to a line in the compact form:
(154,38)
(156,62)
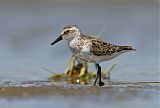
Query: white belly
(88,57)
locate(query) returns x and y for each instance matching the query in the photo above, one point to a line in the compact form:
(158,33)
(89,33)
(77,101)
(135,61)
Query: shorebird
(89,48)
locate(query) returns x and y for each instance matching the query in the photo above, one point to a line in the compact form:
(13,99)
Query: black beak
(57,40)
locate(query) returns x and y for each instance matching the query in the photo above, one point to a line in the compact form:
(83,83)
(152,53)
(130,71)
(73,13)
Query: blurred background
(27,27)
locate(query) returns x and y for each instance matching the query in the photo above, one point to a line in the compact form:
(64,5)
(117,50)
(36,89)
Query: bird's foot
(101,83)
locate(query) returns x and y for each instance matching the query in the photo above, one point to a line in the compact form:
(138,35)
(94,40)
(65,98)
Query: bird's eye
(66,31)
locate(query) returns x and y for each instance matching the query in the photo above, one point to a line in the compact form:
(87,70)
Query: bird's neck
(75,37)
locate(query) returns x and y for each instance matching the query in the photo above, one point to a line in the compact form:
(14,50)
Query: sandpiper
(89,48)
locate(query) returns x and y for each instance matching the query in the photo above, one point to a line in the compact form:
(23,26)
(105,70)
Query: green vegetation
(78,73)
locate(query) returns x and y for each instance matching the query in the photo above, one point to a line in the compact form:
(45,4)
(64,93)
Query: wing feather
(100,48)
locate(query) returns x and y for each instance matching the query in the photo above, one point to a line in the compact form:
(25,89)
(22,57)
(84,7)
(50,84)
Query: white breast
(85,50)
(75,44)
(80,48)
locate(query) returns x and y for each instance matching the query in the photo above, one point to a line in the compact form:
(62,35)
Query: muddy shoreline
(42,88)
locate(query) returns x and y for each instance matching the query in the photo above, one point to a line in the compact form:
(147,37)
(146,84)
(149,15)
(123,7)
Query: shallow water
(49,94)
(27,27)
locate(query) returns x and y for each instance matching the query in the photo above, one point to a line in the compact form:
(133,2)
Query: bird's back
(102,51)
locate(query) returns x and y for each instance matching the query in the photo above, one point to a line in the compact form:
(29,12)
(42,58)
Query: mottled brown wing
(100,48)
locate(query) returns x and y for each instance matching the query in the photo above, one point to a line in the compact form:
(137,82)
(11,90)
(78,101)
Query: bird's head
(68,33)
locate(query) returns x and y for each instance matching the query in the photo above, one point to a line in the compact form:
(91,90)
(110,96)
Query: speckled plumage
(92,49)
(89,48)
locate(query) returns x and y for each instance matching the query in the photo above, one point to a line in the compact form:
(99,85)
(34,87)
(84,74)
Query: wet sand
(45,88)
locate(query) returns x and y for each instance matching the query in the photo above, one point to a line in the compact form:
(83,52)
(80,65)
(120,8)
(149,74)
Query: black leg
(99,75)
(96,75)
(95,80)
